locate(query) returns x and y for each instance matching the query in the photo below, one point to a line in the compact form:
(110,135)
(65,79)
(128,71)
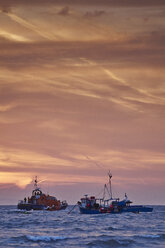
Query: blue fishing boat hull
(137,209)
(88,211)
(130,209)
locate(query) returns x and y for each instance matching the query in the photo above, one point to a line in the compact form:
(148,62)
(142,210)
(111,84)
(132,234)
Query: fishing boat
(94,205)
(41,201)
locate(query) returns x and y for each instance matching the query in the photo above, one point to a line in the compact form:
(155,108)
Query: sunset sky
(82,91)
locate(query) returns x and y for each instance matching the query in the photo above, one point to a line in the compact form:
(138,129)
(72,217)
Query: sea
(72,229)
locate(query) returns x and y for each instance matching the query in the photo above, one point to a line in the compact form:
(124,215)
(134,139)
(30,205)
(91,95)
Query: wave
(78,229)
(151,236)
(110,228)
(44,238)
(110,243)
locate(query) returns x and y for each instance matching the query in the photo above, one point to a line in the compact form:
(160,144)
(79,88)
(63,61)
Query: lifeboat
(41,201)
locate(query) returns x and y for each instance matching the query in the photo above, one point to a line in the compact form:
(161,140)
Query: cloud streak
(117,3)
(30,26)
(82,80)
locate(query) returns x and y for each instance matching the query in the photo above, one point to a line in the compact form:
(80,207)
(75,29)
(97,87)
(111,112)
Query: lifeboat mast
(35,182)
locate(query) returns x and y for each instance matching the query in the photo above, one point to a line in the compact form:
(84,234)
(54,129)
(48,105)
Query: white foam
(150,236)
(44,238)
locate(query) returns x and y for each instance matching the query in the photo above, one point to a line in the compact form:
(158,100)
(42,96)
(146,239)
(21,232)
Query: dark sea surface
(60,229)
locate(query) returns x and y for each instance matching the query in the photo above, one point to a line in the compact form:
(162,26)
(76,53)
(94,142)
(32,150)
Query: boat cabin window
(37,192)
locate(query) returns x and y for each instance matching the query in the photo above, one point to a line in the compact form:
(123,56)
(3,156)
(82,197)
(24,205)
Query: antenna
(35,182)
(110,186)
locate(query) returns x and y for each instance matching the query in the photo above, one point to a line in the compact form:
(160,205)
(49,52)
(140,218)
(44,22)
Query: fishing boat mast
(110,185)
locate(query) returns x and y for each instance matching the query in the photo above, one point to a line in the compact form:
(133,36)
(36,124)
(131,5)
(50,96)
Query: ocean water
(60,229)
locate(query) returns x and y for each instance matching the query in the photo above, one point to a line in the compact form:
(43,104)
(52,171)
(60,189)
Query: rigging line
(107,190)
(104,191)
(100,193)
(73,208)
(99,165)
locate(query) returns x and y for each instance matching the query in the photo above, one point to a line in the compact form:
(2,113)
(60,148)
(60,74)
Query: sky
(82,92)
